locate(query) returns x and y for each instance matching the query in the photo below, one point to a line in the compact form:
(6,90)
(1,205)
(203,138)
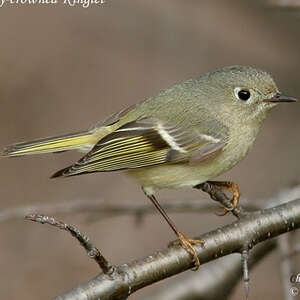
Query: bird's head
(246,92)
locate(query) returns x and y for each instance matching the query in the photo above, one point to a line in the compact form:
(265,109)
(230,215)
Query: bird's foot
(187,244)
(217,189)
(228,186)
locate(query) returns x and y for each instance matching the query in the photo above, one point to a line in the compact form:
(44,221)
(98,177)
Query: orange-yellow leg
(228,186)
(184,241)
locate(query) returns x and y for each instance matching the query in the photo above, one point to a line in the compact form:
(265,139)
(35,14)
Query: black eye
(244,95)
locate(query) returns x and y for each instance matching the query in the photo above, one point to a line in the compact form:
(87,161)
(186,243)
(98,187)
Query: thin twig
(245,267)
(100,209)
(84,240)
(286,269)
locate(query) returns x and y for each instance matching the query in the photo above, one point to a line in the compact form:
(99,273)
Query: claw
(187,243)
(225,211)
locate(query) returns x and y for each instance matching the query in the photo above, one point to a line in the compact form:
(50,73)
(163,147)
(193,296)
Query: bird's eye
(243,95)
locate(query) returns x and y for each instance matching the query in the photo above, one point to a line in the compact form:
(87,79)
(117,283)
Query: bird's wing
(145,142)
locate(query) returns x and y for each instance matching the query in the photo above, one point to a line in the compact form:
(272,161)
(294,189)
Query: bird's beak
(277,98)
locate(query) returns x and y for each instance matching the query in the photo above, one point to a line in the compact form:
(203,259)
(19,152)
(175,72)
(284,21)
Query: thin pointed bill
(278,98)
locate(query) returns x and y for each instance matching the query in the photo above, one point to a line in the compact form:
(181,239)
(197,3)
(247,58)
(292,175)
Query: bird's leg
(184,241)
(223,186)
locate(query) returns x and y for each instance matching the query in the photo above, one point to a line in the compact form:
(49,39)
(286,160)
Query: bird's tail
(82,141)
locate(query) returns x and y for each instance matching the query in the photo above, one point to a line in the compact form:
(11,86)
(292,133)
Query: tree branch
(215,280)
(250,230)
(84,240)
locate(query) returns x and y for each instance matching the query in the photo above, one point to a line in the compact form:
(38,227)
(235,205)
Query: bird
(183,137)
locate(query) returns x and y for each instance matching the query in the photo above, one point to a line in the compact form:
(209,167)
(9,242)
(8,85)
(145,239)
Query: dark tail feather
(65,172)
(69,171)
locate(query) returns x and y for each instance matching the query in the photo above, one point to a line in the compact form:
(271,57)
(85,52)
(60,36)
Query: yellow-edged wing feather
(142,143)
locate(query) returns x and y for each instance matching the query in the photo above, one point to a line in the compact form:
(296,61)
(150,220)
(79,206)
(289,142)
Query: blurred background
(64,68)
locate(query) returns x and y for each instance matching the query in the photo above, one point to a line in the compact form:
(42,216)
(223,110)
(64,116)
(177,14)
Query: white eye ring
(242,94)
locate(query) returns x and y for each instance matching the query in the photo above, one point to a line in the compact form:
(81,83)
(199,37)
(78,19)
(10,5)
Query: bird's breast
(241,140)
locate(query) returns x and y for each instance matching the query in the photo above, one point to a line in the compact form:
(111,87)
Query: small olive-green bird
(182,137)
